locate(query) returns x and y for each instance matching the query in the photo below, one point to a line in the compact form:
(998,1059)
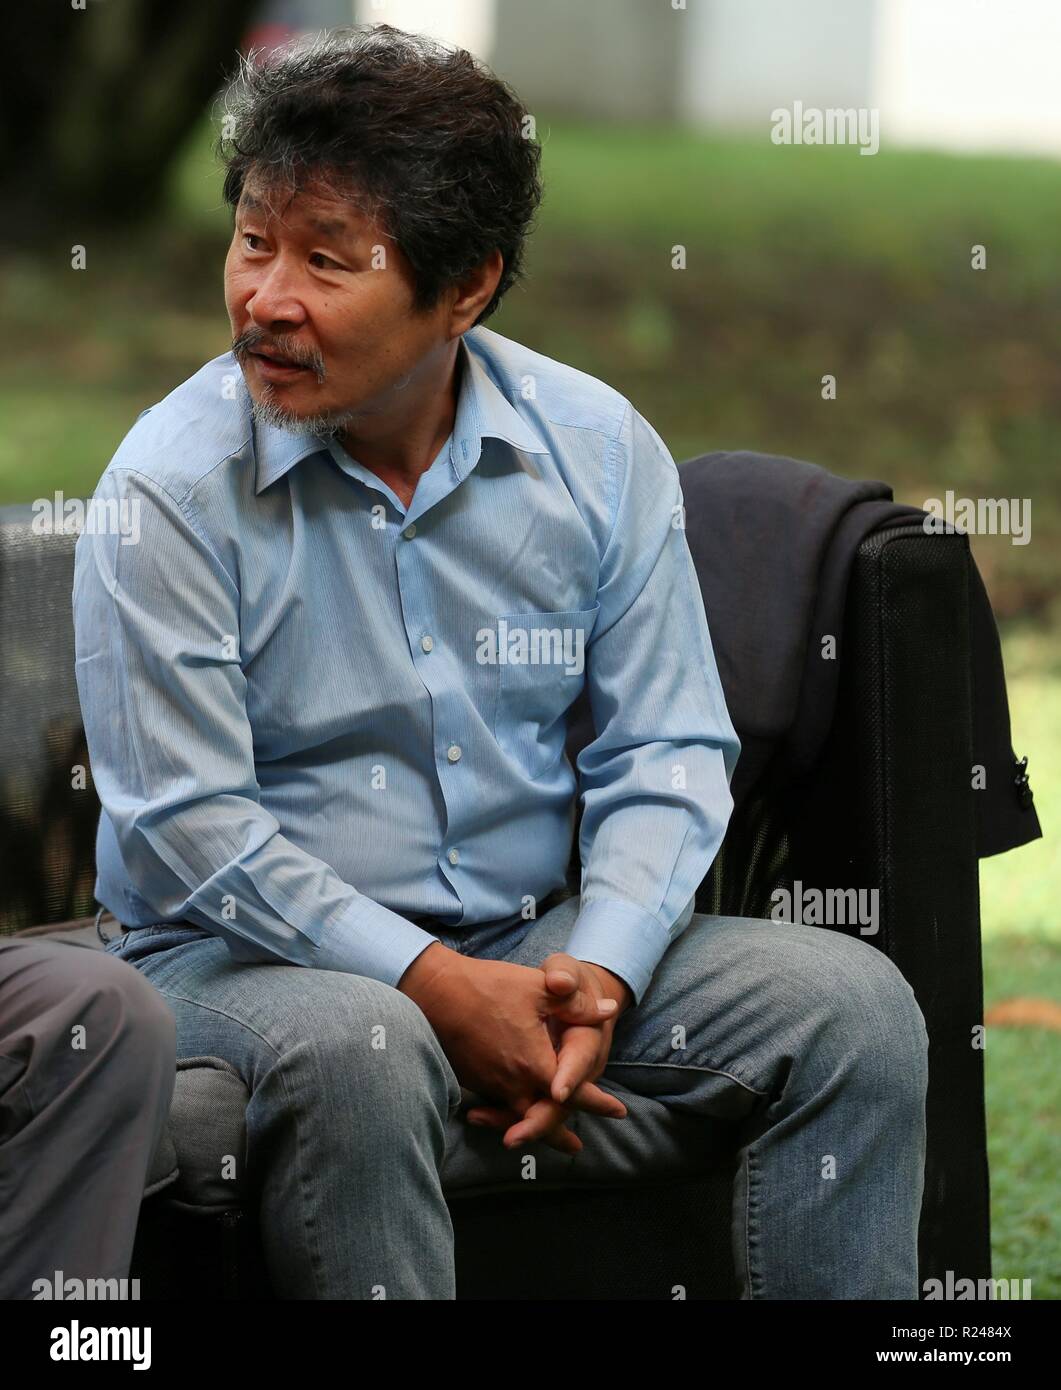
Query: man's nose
(275,298)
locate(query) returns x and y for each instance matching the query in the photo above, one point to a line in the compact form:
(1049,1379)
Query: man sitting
(380,550)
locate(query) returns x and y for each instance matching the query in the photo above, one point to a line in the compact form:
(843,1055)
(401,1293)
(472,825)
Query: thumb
(569,993)
(581,1006)
(559,980)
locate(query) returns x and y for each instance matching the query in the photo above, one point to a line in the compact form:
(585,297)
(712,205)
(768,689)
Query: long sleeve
(163,697)
(656,778)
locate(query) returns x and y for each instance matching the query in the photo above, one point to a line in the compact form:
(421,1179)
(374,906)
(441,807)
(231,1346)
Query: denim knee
(877,1010)
(373,1029)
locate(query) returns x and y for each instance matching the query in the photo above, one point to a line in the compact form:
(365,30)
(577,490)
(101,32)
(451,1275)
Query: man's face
(310,279)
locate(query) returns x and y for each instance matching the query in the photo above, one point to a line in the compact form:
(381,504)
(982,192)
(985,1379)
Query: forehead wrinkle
(337,227)
(251,202)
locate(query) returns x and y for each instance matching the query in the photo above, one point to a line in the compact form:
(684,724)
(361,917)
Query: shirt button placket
(453,752)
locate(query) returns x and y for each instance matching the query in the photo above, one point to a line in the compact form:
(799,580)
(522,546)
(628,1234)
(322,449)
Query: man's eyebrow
(327,226)
(333,226)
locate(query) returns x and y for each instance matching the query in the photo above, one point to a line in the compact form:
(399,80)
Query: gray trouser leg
(87,1068)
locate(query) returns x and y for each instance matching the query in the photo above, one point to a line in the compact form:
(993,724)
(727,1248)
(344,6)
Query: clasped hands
(530,1043)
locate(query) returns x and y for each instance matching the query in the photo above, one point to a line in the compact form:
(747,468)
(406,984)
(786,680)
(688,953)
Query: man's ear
(475,291)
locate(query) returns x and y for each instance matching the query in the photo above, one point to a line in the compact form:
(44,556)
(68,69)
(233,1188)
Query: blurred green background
(947,378)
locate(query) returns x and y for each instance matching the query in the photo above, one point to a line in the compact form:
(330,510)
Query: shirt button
(453,856)
(409,532)
(426,643)
(453,753)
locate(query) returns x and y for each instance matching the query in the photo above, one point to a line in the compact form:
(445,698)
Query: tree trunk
(96,103)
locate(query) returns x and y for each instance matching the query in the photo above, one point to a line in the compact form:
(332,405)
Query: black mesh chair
(886,807)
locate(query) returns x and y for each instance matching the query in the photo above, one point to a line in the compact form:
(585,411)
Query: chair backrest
(48,806)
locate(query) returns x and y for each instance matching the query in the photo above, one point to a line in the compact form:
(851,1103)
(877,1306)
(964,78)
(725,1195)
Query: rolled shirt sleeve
(163,698)
(656,779)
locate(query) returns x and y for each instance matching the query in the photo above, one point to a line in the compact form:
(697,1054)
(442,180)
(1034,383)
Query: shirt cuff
(626,939)
(369,939)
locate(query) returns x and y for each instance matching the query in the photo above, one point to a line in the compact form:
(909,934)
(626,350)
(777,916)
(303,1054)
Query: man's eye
(250,236)
(320,256)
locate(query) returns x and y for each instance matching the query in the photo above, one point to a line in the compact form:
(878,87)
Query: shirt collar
(483,412)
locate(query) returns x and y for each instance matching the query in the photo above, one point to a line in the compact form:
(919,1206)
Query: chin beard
(326,422)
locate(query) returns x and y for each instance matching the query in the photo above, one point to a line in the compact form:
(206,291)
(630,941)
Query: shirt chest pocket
(541,664)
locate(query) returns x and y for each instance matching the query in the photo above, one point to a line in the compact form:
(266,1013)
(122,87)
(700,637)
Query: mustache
(257,340)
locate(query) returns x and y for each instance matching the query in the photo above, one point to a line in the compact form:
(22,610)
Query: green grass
(1022,959)
(800,262)
(1022,1067)
(1019,890)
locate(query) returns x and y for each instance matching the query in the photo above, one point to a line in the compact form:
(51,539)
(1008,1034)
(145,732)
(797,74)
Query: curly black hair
(425,137)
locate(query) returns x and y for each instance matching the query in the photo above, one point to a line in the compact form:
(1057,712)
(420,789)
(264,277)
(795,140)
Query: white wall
(603,59)
(970,74)
(467,23)
(963,74)
(743,58)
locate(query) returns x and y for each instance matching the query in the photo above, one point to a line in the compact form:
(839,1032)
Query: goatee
(324,423)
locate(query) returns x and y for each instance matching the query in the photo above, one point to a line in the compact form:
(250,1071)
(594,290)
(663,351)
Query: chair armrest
(893,808)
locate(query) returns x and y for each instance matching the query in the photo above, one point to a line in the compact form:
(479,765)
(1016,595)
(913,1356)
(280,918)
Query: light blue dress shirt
(315,715)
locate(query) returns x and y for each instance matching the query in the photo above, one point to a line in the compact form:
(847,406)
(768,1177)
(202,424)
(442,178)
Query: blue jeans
(806,1044)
